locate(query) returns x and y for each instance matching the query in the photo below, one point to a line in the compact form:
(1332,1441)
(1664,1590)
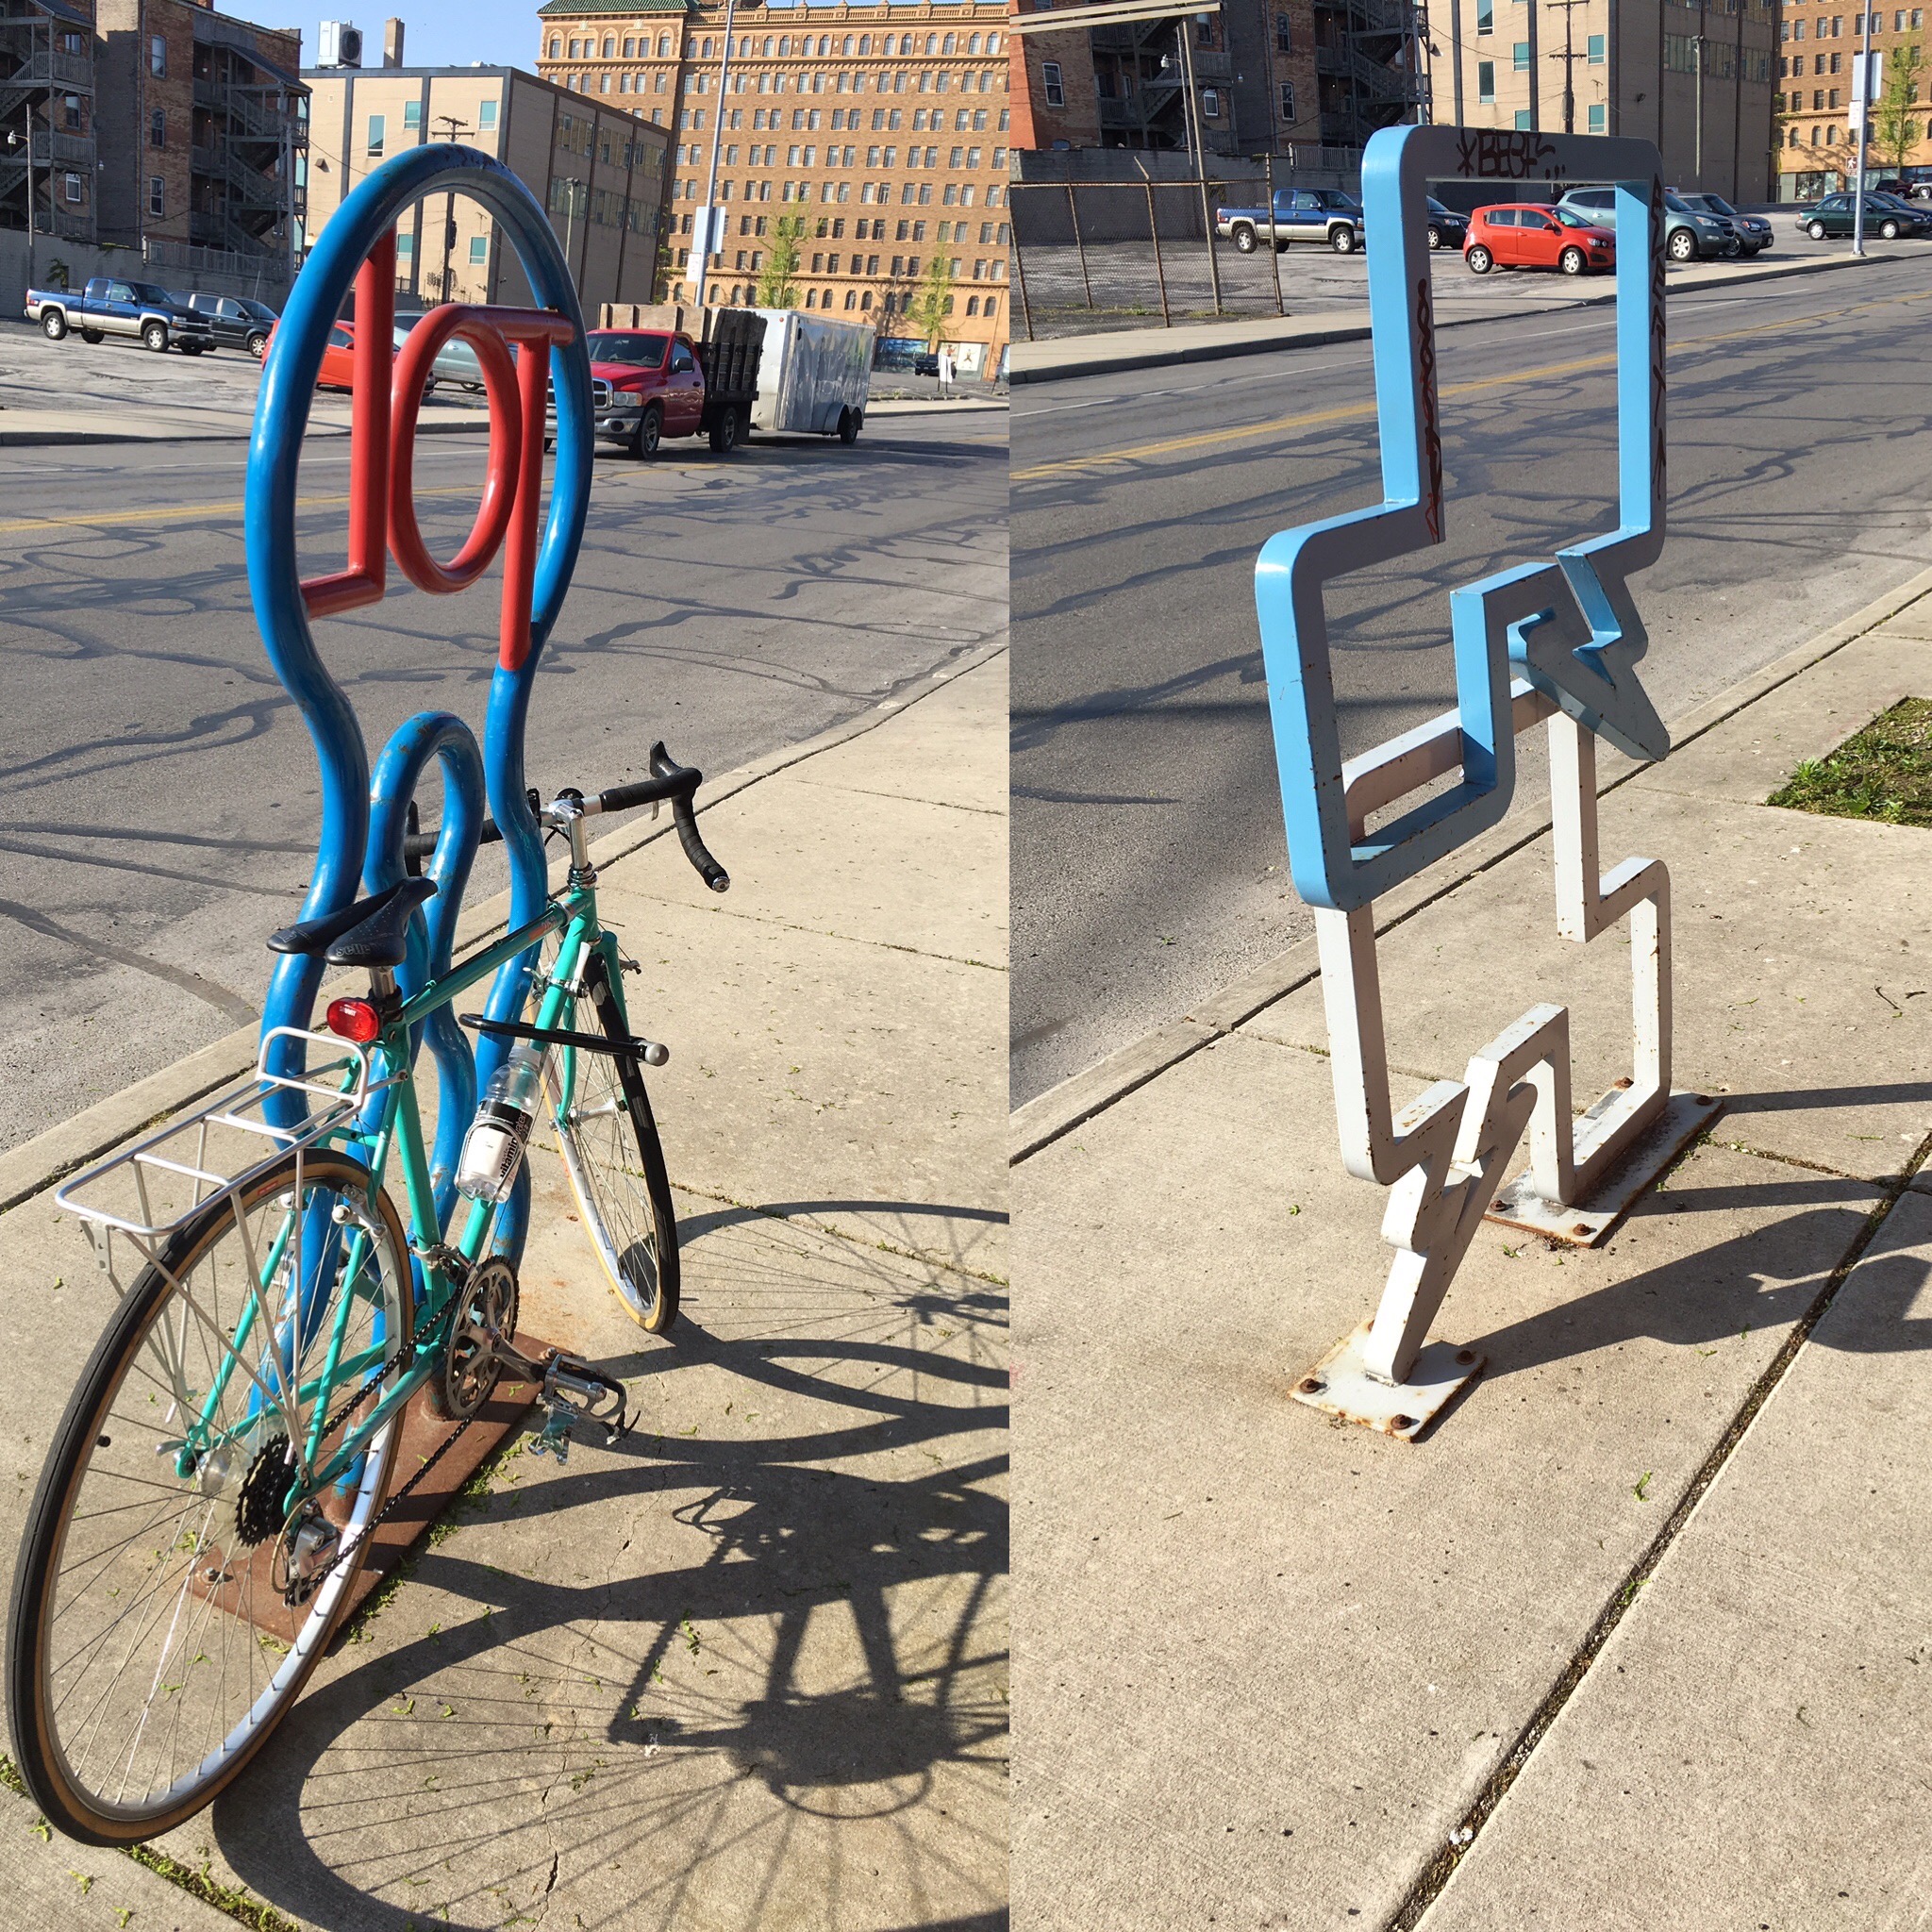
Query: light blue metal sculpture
(362,833)
(1556,639)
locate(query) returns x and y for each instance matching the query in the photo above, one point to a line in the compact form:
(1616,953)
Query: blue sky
(442,33)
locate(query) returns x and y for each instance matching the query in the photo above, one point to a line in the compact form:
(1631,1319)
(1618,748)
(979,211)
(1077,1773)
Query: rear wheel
(1479,259)
(150,1647)
(610,1150)
(54,326)
(1243,238)
(191,348)
(725,428)
(1572,261)
(849,421)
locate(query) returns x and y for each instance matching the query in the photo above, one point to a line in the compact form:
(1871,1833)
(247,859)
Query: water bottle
(495,1143)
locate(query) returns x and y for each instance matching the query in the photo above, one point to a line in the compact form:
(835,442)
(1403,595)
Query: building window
(157,128)
(1288,100)
(1596,50)
(406,245)
(1486,80)
(1485,16)
(1597,117)
(157,57)
(73,189)
(1520,57)
(1524,118)
(479,250)
(376,128)
(1210,103)
(1050,81)
(1284,37)
(486,115)
(412,114)
(156,201)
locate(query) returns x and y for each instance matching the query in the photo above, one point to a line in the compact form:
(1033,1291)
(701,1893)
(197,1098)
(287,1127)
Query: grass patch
(1883,772)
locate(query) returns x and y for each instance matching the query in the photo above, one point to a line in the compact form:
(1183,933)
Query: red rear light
(354,1019)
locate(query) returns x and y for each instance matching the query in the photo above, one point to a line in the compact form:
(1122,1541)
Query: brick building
(1813,146)
(599,173)
(884,127)
(201,130)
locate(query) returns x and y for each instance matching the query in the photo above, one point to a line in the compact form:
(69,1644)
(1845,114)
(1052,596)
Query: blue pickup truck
(110,307)
(1301,214)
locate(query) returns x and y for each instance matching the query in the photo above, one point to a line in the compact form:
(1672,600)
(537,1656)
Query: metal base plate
(1340,1385)
(1583,1226)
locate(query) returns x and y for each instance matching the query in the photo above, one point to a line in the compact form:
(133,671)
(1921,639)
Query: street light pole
(1863,92)
(710,211)
(1697,44)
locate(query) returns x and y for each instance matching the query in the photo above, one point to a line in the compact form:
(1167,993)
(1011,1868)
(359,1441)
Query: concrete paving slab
(1755,753)
(1748,1749)
(1915,621)
(1798,959)
(1323,1640)
(745,1671)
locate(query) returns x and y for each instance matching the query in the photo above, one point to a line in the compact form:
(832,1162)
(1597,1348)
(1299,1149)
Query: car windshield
(1571,219)
(1716,204)
(259,310)
(1333,198)
(1436,207)
(638,352)
(149,291)
(1677,206)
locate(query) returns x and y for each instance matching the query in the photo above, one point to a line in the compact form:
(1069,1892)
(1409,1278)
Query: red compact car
(1527,235)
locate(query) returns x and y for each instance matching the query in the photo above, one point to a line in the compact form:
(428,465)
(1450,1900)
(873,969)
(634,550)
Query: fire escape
(1139,76)
(47,85)
(248,132)
(1370,67)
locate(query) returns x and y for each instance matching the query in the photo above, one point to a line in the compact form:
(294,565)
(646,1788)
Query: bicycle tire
(73,1797)
(617,1174)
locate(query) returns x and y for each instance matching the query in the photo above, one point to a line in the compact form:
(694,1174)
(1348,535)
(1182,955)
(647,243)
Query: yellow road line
(194,510)
(1343,412)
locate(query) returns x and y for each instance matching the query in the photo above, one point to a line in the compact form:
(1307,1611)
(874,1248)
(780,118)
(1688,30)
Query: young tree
(776,289)
(934,299)
(1895,113)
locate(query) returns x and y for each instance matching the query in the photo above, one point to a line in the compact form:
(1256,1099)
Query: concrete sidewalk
(1636,1636)
(1118,351)
(746,1670)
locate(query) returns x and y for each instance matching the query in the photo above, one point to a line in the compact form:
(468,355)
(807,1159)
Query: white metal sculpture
(1554,640)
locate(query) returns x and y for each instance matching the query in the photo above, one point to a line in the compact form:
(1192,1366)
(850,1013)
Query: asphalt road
(1148,849)
(159,801)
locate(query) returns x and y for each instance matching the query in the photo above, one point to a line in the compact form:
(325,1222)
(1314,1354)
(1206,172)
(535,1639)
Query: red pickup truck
(650,383)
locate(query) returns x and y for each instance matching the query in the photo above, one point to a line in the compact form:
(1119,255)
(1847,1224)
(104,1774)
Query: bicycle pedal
(574,1393)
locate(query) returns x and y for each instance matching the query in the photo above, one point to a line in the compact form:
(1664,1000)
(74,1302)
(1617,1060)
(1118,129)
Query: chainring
(258,1508)
(468,1373)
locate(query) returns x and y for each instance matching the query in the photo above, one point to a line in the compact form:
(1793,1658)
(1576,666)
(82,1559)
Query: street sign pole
(1861,101)
(707,215)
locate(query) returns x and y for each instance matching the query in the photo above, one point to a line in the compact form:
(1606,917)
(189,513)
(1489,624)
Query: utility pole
(1568,56)
(1863,94)
(1199,144)
(709,212)
(451,127)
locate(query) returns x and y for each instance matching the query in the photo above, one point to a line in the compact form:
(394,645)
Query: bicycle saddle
(371,932)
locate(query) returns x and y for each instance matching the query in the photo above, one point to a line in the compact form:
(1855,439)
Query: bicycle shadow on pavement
(752,1656)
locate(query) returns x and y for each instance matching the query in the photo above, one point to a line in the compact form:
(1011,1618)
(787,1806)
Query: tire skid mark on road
(219,997)
(1345,411)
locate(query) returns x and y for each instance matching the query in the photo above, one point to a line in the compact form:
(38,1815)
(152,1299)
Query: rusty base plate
(1340,1385)
(241,1577)
(1685,1116)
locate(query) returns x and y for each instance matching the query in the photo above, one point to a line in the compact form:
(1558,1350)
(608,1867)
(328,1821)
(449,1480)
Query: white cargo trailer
(814,375)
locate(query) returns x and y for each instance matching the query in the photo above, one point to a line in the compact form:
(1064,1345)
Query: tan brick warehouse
(885,127)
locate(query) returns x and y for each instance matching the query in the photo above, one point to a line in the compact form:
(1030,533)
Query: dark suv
(238,322)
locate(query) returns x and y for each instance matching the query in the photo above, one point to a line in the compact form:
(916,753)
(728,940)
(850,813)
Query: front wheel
(649,432)
(609,1141)
(1816,230)
(1682,246)
(1435,236)
(1341,241)
(1243,238)
(258,346)
(1572,261)
(54,326)
(153,335)
(150,1644)
(1888,231)
(1479,259)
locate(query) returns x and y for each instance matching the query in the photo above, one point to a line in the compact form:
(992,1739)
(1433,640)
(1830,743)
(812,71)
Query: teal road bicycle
(211,1492)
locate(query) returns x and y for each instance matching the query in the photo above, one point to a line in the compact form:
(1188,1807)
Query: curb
(1357,332)
(51,1155)
(1042,1120)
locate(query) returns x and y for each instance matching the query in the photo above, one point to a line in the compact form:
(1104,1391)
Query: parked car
(1527,235)
(1885,216)
(456,361)
(238,322)
(1688,234)
(1753,231)
(337,368)
(1299,214)
(1447,229)
(926,364)
(110,306)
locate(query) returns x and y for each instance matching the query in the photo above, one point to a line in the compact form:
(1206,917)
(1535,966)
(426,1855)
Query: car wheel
(53,325)
(725,428)
(1816,230)
(191,348)
(1244,239)
(153,335)
(1682,246)
(650,431)
(1435,236)
(92,335)
(1888,231)
(849,420)
(1572,261)
(1341,241)
(257,347)
(1479,259)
